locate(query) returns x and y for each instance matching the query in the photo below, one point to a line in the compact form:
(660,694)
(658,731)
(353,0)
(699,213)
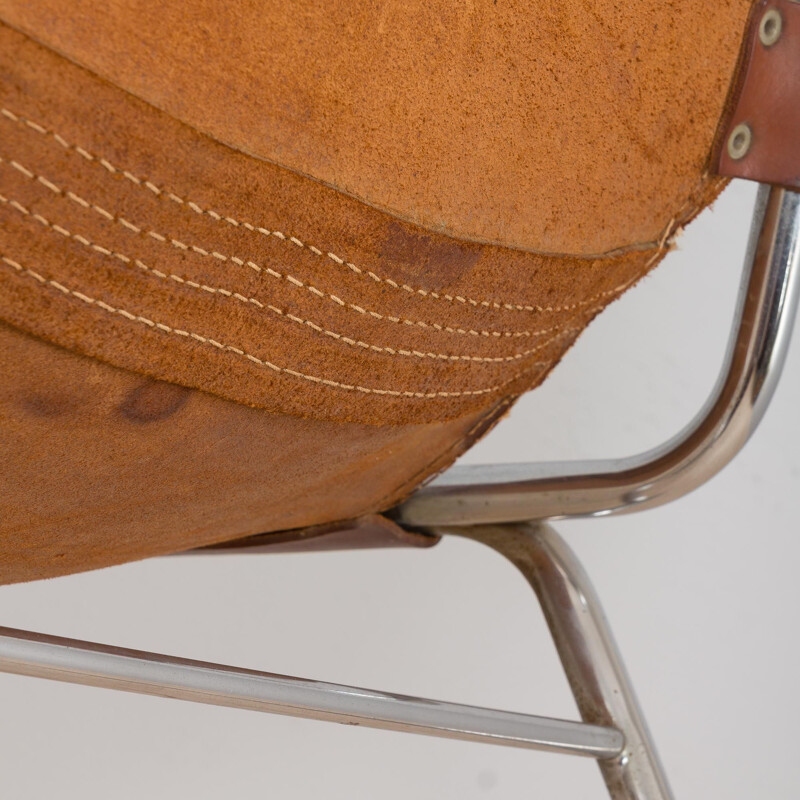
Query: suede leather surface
(265,266)
(574,126)
(130,237)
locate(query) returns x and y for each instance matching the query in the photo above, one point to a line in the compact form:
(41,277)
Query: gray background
(701,595)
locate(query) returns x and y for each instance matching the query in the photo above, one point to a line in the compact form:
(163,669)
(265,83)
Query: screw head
(770,28)
(739,141)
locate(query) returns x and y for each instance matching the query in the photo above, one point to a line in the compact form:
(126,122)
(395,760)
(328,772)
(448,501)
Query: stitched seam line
(230,294)
(216,216)
(255,359)
(135,229)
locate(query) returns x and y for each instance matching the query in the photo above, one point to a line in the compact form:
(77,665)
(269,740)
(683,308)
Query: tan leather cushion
(131,237)
(336,221)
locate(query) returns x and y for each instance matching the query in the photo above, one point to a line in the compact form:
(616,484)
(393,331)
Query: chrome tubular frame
(503,506)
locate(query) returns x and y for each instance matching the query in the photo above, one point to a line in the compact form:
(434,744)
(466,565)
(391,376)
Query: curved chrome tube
(72,661)
(768,297)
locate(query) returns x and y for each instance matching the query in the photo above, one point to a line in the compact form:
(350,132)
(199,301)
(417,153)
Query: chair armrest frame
(762,326)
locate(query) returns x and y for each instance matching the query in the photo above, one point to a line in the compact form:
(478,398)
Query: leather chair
(253,254)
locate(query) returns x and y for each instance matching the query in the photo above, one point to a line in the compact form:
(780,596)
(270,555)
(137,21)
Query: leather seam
(25,271)
(233,294)
(320,294)
(217,217)
(389,212)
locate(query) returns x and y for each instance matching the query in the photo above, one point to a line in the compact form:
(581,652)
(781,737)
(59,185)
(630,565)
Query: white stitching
(494,304)
(261,362)
(290,278)
(228,293)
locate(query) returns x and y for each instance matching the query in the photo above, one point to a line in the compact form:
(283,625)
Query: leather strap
(367,532)
(760,136)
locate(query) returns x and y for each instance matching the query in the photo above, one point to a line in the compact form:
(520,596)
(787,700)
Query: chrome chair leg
(588,653)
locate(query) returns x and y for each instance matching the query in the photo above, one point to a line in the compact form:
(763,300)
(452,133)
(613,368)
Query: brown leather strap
(367,532)
(760,137)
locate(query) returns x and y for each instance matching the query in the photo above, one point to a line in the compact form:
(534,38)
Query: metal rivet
(769,31)
(739,141)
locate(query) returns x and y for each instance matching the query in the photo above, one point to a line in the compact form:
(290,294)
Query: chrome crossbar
(91,664)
